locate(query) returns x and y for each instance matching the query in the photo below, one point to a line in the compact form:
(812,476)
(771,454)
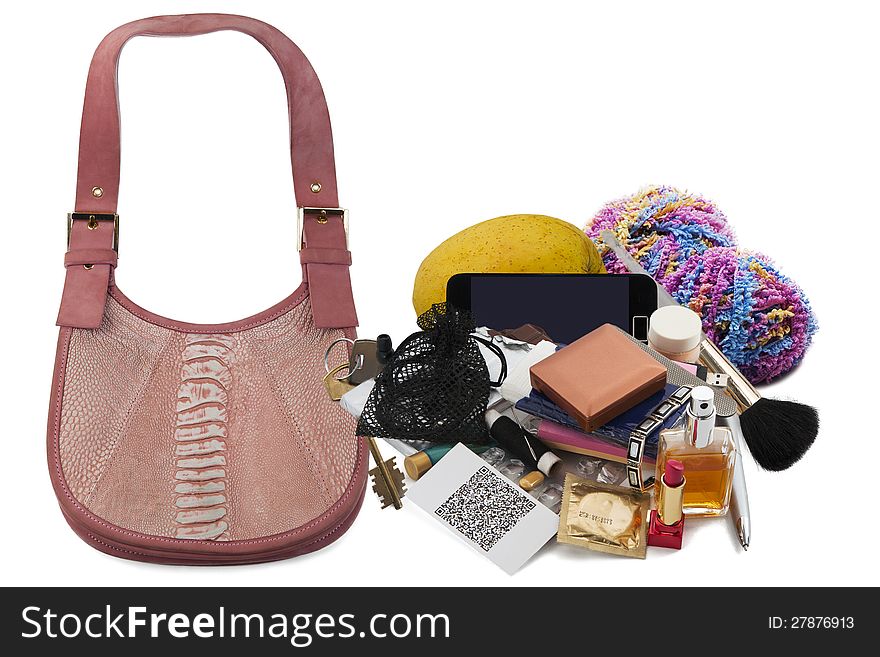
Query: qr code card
(481,506)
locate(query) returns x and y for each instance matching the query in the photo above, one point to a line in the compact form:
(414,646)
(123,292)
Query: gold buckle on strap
(321,215)
(94,219)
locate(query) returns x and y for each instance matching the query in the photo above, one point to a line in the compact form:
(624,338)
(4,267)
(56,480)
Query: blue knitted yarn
(760,318)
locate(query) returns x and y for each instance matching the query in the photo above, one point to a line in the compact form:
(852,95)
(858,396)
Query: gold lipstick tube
(669,502)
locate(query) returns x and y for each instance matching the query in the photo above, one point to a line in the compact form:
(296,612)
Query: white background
(443,116)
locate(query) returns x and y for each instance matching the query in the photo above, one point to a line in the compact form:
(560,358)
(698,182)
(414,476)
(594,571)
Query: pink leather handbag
(188,443)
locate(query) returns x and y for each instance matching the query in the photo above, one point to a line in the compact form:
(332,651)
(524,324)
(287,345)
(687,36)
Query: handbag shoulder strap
(92,228)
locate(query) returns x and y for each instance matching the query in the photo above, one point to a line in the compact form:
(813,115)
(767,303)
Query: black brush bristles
(779,432)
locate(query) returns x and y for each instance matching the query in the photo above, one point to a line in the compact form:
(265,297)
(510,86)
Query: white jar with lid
(676,332)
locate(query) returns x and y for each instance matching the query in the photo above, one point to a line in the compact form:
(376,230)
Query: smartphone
(566,306)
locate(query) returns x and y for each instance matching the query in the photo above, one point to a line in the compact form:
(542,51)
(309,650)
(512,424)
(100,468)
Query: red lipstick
(666,528)
(674,475)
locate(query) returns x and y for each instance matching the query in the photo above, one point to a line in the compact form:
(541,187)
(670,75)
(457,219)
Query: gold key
(387,479)
(337,387)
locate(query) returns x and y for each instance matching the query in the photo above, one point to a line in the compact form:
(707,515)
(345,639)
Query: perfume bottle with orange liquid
(707,452)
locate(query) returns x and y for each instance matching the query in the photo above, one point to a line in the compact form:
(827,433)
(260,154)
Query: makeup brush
(778,432)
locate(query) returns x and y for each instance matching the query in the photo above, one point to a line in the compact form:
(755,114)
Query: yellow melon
(517,243)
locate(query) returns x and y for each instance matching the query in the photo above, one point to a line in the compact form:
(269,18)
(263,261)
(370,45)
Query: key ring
(351,370)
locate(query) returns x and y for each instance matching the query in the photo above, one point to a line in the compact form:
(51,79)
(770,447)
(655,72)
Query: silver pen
(739,498)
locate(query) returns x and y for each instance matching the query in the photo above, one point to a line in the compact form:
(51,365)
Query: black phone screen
(566,307)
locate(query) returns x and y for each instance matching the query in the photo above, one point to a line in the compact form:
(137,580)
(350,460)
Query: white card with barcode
(486,510)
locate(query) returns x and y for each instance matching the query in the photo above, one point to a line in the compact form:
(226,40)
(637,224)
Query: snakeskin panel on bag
(223,436)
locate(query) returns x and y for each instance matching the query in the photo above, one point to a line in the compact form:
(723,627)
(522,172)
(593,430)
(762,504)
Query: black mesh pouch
(436,385)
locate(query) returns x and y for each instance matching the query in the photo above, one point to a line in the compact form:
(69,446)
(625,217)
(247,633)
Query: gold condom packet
(604,518)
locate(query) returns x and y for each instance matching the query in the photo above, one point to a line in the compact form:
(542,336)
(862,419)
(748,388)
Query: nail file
(633,266)
(739,497)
